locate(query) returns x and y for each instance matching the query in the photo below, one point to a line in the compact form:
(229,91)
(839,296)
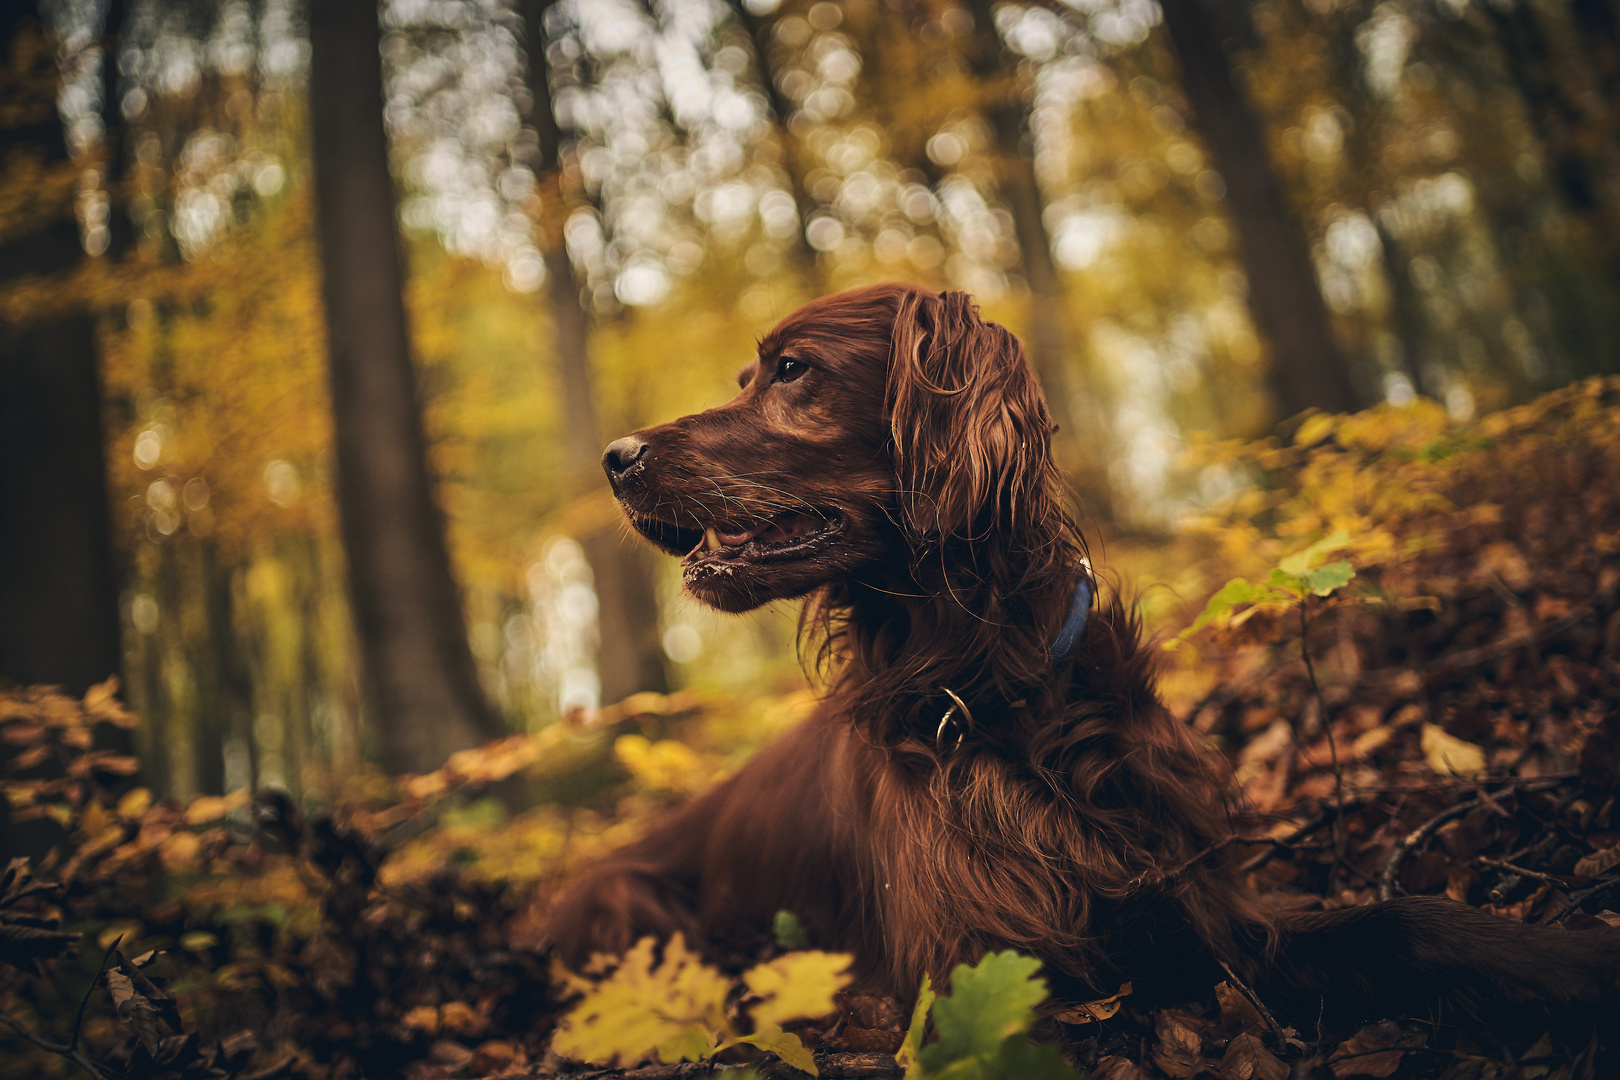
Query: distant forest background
(313,322)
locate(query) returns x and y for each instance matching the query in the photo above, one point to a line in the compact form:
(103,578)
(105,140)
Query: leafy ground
(1456,729)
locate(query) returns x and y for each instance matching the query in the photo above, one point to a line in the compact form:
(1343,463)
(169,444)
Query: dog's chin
(735,588)
(780,561)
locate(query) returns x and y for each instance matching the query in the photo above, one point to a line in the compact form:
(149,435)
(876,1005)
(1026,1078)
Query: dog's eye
(789,369)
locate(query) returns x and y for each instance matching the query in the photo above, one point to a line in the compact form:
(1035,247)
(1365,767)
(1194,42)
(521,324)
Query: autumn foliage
(1454,587)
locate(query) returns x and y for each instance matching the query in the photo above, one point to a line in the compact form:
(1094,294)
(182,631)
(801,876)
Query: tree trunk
(1599,23)
(1556,119)
(58,585)
(1406,313)
(224,695)
(1571,112)
(1307,368)
(630,655)
(1078,444)
(759,35)
(419,669)
(115,134)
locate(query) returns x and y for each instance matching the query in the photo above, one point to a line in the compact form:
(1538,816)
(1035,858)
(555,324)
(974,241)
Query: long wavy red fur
(1077,821)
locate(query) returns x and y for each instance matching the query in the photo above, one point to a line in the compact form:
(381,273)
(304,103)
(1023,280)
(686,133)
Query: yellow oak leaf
(675,1010)
(797,986)
(784,1045)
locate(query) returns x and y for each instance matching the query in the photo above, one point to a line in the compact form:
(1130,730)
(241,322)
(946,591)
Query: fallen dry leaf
(1180,1053)
(1599,862)
(1449,755)
(1459,879)
(1094,1010)
(1367,1053)
(493,1056)
(213,807)
(422,1018)
(1238,1015)
(1116,1068)
(1369,741)
(1247,1059)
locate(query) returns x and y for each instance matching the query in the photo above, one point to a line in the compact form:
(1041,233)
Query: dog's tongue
(738,539)
(788,528)
(713,539)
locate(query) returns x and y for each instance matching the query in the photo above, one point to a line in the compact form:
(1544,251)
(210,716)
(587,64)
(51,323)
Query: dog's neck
(974,618)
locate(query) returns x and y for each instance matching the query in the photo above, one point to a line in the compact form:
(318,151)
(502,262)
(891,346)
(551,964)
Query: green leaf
(1301,561)
(910,1055)
(1291,584)
(1324,579)
(1028,1061)
(785,1045)
(988,1002)
(789,931)
(1234,592)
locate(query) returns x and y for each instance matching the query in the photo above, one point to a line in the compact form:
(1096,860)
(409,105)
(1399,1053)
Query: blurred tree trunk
(1079,443)
(1370,113)
(630,656)
(1559,120)
(759,34)
(419,667)
(1307,368)
(224,691)
(1571,109)
(1599,23)
(1406,312)
(58,583)
(115,134)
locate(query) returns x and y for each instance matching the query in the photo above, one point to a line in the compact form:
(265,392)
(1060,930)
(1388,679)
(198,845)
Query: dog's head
(873,423)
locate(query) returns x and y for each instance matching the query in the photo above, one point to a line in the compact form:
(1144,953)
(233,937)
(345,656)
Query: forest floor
(1414,671)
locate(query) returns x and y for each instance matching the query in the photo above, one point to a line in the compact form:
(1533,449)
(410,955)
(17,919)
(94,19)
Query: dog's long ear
(971,432)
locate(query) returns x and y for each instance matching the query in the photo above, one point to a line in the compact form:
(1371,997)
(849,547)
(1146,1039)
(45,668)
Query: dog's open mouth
(791,535)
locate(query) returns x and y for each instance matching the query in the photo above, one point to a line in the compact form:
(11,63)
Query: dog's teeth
(712,537)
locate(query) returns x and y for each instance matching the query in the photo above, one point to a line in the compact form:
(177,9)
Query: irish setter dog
(991,767)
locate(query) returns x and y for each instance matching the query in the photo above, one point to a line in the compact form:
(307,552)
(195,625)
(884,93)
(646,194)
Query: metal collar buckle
(1073,627)
(948,720)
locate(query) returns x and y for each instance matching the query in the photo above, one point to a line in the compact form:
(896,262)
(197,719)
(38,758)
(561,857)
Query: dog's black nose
(622,456)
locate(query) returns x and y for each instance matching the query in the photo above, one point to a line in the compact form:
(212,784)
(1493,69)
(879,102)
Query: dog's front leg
(772,836)
(648,887)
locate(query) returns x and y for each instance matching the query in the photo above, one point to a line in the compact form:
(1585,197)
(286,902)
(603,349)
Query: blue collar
(1075,624)
(1073,627)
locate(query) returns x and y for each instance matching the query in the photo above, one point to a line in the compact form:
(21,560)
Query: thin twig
(1254,999)
(1327,726)
(1486,798)
(52,1047)
(1386,879)
(1159,877)
(1576,900)
(1286,843)
(1534,875)
(78,1019)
